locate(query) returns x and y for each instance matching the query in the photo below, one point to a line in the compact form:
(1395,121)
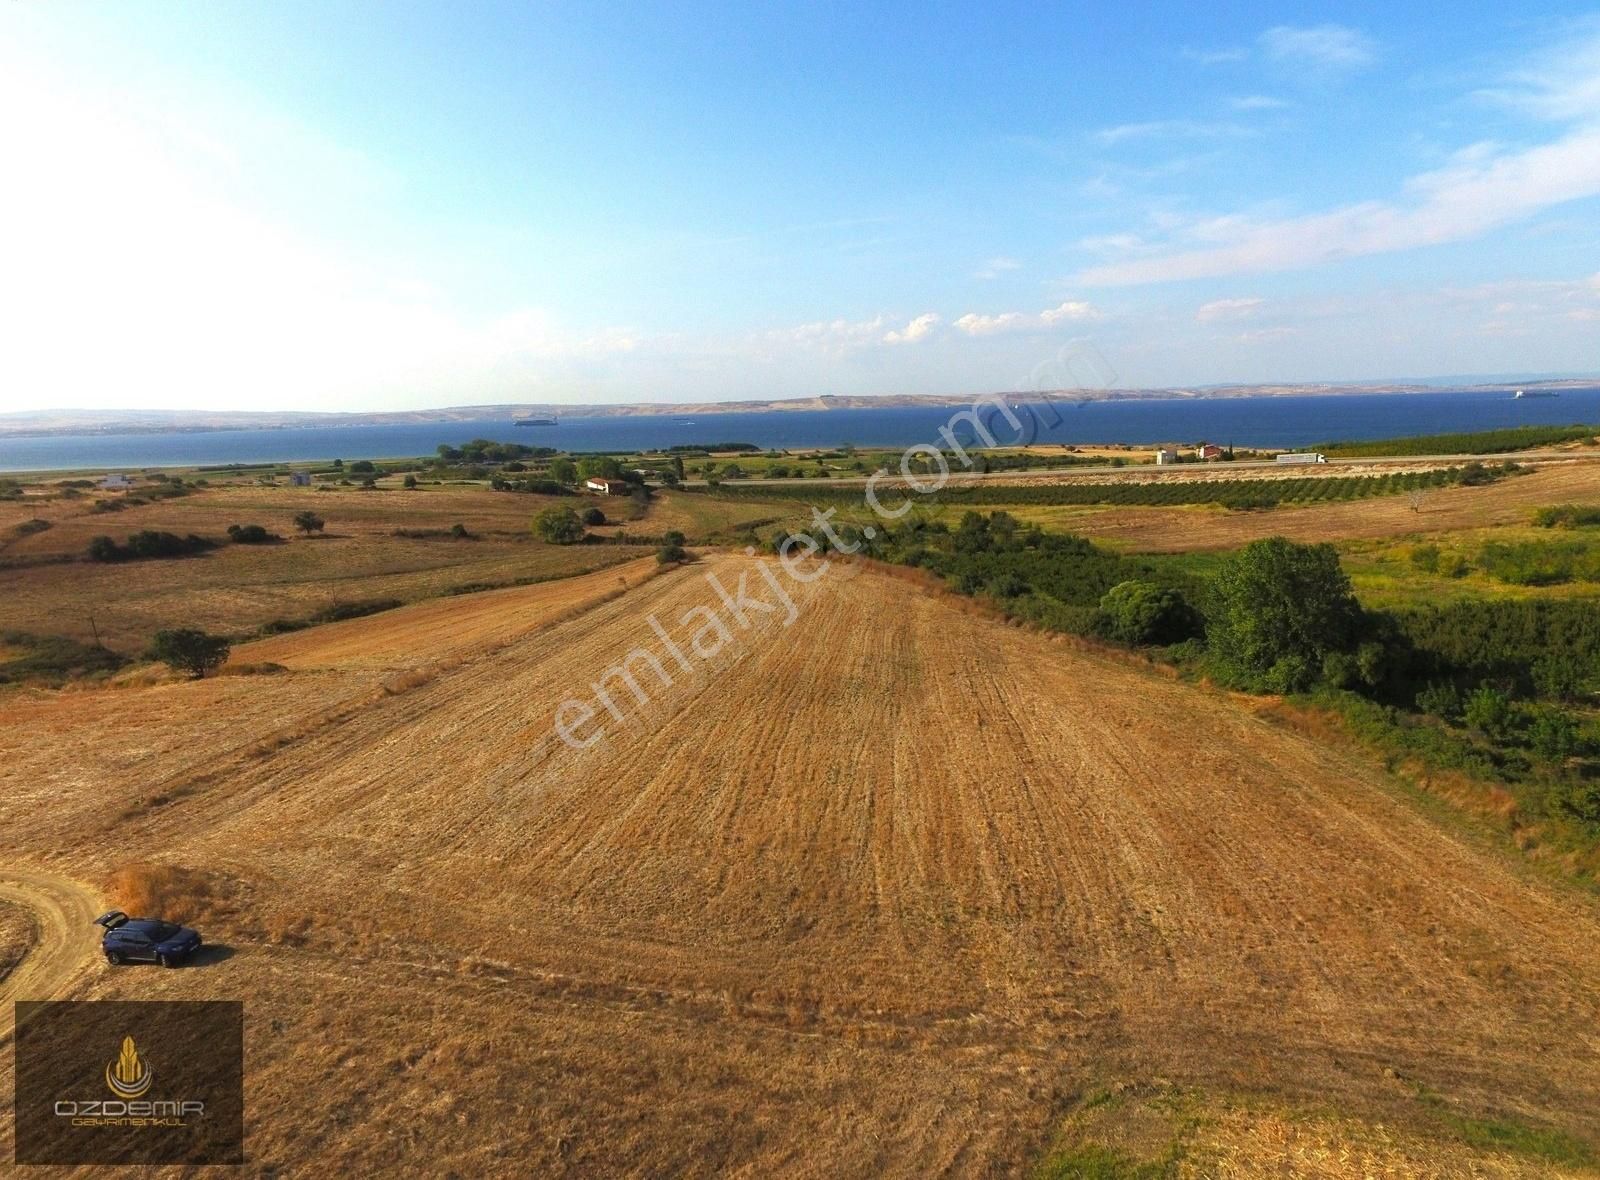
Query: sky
(356,206)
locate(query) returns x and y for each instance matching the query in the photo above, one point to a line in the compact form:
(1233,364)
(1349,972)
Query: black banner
(123,1082)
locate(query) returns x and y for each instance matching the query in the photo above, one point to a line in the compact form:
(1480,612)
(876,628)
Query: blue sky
(356,206)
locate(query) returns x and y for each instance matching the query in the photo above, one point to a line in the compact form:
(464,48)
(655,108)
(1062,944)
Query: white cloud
(830,334)
(1479,191)
(1322,49)
(1483,187)
(917,329)
(975,324)
(1069,311)
(1227,309)
(1563,85)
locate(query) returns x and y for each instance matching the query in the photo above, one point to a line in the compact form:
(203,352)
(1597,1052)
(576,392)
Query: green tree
(1138,612)
(1490,712)
(410,481)
(599,465)
(563,471)
(309,522)
(559,526)
(1278,610)
(188,650)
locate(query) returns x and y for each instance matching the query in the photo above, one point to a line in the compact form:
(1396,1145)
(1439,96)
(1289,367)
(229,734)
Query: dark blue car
(148,940)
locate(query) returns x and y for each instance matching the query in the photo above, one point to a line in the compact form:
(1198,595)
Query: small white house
(116,482)
(606,486)
(300,479)
(1165,457)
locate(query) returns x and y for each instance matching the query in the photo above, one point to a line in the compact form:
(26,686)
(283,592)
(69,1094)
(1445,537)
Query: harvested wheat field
(891,890)
(1174,530)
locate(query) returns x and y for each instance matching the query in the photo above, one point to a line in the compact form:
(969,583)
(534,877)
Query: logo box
(126,1082)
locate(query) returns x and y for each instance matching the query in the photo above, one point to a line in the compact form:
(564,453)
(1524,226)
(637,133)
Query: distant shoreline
(56,423)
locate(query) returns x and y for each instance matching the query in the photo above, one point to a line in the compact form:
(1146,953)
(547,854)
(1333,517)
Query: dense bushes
(1483,442)
(1137,613)
(1540,563)
(1238,494)
(147,544)
(559,526)
(53,658)
(1547,648)
(1566,516)
(340,611)
(534,487)
(1282,617)
(251,534)
(185,649)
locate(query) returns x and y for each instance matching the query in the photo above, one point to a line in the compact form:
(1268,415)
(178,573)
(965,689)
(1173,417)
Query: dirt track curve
(62,913)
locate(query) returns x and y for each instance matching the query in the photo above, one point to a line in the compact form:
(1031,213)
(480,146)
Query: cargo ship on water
(1524,394)
(535,422)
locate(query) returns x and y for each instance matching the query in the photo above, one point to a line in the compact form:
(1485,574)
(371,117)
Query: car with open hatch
(146,940)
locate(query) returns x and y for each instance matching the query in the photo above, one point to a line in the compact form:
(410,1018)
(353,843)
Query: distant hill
(91,421)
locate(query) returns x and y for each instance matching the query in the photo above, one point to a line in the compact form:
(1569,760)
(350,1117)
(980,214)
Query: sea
(1295,421)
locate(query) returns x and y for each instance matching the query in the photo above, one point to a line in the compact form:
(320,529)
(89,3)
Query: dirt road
(63,912)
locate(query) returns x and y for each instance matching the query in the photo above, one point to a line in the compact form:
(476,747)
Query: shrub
(559,526)
(1426,558)
(251,534)
(54,658)
(1566,516)
(147,544)
(593,516)
(1278,609)
(1553,735)
(309,522)
(340,611)
(188,650)
(410,482)
(1442,699)
(1006,586)
(1138,612)
(1489,711)
(671,555)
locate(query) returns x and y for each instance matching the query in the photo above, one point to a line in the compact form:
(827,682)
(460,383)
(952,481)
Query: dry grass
(238,588)
(17,935)
(1182,529)
(872,895)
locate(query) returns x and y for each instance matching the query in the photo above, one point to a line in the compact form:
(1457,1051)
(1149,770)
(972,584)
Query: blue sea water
(1259,421)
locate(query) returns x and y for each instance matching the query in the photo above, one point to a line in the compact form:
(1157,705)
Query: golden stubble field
(886,891)
(238,588)
(1173,530)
